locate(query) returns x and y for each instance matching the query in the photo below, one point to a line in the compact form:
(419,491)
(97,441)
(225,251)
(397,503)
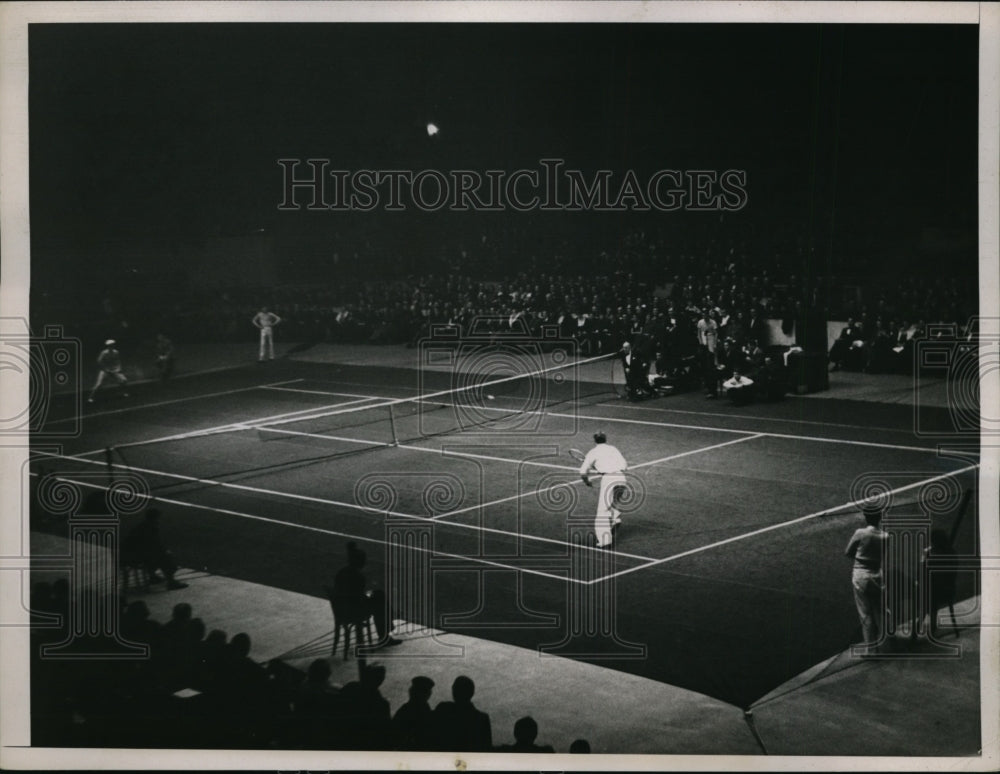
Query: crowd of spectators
(200,688)
(601,292)
(177,684)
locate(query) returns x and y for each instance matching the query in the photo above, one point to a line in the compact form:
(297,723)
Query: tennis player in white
(609,462)
(265,320)
(110,364)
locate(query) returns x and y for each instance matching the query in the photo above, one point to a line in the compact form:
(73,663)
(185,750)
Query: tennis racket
(577,455)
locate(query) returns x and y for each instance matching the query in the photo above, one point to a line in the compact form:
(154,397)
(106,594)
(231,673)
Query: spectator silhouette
(580,747)
(365,717)
(459,726)
(175,630)
(176,635)
(144,546)
(188,653)
(317,706)
(137,626)
(241,678)
(525,733)
(413,723)
(211,654)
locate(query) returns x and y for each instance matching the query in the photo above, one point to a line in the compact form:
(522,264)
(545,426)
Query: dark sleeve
(487,732)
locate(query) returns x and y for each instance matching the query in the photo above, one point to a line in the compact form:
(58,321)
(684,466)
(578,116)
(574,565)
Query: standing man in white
(266,320)
(609,462)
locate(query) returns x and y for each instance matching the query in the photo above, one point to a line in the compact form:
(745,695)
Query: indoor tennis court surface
(728,575)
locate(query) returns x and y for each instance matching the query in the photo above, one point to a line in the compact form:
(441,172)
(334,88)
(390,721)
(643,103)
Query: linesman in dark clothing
(144,546)
(350,590)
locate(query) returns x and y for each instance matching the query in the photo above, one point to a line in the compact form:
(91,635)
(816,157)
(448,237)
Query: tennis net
(483,402)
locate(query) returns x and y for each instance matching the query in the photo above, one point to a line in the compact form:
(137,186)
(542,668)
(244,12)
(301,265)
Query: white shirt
(603,458)
(266,319)
(737,381)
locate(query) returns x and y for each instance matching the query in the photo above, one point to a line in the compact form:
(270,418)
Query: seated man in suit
(636,373)
(840,350)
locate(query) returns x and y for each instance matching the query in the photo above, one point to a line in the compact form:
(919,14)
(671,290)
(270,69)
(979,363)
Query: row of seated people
(203,690)
(879,347)
(363,309)
(455,725)
(743,372)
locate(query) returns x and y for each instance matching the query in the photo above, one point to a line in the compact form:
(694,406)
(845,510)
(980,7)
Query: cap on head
(422,684)
(109,343)
(600,437)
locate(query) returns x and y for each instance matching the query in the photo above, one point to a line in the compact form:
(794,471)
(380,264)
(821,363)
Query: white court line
(576,481)
(826,512)
(321,501)
(409,447)
(791,436)
(282,523)
(324,392)
(697,451)
(389,402)
(139,406)
(755,433)
(632,407)
(290,416)
(509,460)
(247,425)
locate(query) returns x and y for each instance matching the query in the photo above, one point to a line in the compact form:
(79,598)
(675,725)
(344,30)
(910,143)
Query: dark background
(149,142)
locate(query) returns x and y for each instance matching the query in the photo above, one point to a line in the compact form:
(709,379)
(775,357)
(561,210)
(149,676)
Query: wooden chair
(348,615)
(134,575)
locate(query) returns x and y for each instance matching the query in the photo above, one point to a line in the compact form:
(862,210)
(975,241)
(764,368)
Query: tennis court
(728,575)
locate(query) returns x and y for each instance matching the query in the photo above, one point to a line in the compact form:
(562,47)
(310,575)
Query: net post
(392,424)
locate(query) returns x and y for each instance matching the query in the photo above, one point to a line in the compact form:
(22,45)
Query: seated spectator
(137,626)
(317,707)
(739,388)
(881,348)
(351,593)
(413,723)
(175,631)
(636,373)
(144,546)
(211,654)
(901,357)
(772,381)
(188,653)
(240,677)
(525,733)
(580,747)
(841,347)
(856,354)
(164,356)
(458,725)
(365,716)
